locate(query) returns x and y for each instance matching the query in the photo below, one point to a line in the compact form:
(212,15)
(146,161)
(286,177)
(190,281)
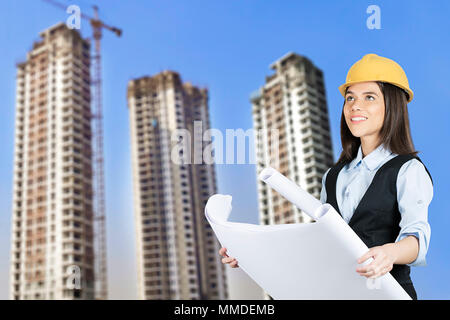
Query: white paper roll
(300,260)
(291,191)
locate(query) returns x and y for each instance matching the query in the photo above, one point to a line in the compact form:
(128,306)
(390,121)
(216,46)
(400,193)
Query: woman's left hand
(384,258)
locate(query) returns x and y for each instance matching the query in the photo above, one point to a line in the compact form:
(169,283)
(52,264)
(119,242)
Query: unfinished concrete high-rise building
(177,251)
(52,253)
(293,102)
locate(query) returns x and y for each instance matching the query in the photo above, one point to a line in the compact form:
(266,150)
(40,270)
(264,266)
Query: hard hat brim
(348,84)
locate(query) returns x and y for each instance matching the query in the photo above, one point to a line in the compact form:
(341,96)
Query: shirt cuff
(420,260)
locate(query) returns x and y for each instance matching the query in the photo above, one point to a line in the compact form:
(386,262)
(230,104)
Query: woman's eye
(371,98)
(349,97)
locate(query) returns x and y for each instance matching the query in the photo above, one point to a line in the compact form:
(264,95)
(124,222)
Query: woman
(378,185)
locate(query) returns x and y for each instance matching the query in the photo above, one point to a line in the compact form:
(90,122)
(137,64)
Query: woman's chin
(357,134)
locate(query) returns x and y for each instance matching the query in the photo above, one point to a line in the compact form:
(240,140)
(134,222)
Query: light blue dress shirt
(414,194)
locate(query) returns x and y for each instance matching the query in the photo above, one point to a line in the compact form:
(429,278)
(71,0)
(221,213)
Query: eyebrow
(367,92)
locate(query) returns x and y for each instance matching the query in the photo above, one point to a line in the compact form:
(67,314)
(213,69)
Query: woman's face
(365,100)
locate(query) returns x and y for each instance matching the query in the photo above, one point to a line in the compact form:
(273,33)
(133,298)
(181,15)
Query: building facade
(52,253)
(177,251)
(293,103)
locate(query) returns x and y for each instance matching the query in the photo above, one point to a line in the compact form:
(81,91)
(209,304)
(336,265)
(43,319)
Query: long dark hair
(394,133)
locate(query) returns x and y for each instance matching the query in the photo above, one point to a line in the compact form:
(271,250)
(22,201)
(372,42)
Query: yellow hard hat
(373,67)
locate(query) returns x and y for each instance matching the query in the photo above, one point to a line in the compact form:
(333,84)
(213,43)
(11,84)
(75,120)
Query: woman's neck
(368,144)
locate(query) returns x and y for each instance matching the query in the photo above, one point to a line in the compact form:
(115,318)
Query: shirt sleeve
(323,192)
(414,194)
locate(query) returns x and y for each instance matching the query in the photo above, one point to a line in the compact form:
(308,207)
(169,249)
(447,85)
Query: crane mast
(100,258)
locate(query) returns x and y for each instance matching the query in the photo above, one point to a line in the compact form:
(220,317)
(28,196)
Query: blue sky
(227,46)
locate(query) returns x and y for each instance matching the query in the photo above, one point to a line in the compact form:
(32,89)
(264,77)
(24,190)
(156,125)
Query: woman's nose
(355,107)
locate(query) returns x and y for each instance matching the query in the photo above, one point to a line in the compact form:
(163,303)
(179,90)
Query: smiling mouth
(358,119)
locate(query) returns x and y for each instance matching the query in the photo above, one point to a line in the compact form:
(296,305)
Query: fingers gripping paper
(299,261)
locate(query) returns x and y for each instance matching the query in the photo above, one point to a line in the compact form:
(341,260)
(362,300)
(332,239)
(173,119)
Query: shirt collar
(372,160)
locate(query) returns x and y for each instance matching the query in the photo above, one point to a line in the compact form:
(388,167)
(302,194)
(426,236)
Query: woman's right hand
(228,260)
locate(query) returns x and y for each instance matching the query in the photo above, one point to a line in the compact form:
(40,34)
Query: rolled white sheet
(292,192)
(299,261)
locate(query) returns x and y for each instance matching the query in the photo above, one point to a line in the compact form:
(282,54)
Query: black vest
(376,218)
